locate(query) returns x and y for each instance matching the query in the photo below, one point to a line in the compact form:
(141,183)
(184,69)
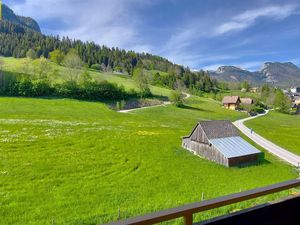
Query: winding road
(266,144)
(187,95)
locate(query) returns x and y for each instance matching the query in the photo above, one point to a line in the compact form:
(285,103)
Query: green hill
(17,66)
(18,35)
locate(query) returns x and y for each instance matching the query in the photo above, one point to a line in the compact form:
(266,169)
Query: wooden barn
(231,102)
(247,101)
(219,141)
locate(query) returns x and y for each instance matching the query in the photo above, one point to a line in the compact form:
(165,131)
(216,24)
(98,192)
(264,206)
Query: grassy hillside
(21,65)
(75,162)
(279,128)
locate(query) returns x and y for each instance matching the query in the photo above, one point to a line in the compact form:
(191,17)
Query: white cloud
(252,65)
(249,17)
(212,67)
(112,23)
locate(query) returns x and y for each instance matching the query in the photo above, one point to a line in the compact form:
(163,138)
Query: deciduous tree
(74,64)
(142,82)
(176,97)
(31,54)
(57,56)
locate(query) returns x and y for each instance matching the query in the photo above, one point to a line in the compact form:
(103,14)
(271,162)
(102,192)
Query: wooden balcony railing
(187,211)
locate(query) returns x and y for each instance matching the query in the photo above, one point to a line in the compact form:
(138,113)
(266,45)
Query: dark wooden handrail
(187,211)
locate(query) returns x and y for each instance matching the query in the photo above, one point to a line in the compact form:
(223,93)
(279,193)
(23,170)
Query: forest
(17,40)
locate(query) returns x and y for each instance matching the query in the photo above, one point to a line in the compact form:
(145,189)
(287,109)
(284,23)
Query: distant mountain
(27,22)
(281,74)
(236,74)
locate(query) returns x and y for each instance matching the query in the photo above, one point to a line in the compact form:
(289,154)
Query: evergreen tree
(282,102)
(16,41)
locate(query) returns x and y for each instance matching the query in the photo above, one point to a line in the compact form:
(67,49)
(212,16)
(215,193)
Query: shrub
(68,89)
(96,67)
(42,88)
(177,98)
(87,90)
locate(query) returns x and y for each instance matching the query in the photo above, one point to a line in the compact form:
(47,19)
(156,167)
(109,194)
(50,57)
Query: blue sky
(195,33)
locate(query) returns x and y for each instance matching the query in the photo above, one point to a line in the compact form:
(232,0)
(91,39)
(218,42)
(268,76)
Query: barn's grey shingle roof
(232,147)
(218,129)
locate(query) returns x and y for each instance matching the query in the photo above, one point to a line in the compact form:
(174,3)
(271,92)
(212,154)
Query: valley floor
(75,162)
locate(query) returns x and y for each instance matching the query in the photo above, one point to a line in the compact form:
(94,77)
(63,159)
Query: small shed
(231,102)
(298,110)
(219,141)
(247,101)
(253,89)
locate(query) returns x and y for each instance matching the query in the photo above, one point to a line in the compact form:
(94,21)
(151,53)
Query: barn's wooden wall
(243,160)
(206,151)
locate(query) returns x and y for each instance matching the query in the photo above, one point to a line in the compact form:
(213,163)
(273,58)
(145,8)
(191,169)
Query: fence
(187,211)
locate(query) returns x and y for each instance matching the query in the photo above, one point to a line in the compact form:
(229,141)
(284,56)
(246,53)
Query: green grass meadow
(282,129)
(75,162)
(15,65)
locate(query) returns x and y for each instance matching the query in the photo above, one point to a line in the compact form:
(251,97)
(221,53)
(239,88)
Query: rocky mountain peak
(9,15)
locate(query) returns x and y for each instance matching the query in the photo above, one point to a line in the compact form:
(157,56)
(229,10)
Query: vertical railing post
(188,219)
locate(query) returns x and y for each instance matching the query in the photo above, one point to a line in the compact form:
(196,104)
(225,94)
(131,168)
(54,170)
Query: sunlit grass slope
(279,128)
(75,162)
(21,65)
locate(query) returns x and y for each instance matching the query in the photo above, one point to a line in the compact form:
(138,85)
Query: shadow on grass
(261,161)
(194,108)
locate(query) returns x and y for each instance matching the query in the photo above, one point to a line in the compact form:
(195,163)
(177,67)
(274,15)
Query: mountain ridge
(277,73)
(27,22)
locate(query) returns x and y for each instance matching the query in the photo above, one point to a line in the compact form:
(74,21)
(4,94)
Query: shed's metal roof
(232,147)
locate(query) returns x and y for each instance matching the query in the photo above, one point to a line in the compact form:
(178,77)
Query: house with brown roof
(220,142)
(247,101)
(231,102)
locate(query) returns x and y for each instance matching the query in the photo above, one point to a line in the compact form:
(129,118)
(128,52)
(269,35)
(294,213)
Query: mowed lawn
(74,162)
(282,129)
